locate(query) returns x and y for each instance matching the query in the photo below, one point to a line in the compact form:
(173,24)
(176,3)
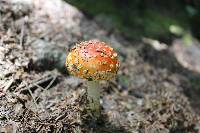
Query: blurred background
(161,20)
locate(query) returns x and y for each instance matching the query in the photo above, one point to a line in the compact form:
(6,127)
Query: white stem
(94,97)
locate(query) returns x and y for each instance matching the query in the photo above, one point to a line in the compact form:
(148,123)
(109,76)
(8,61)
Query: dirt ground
(150,94)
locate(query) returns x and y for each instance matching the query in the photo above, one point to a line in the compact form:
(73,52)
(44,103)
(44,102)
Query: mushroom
(93,60)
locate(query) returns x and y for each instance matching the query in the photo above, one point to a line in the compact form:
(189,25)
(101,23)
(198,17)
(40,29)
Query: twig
(39,128)
(8,85)
(45,89)
(52,81)
(61,116)
(32,97)
(22,32)
(38,82)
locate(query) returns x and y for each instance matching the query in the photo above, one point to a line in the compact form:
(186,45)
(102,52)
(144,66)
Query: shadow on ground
(103,126)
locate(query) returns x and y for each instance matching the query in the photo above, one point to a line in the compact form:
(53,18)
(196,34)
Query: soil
(151,93)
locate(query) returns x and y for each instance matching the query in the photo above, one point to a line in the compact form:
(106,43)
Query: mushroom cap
(92,60)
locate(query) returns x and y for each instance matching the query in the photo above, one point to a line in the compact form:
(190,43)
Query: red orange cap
(92,60)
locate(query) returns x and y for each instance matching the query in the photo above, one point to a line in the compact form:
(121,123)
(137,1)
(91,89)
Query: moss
(195,83)
(92,8)
(157,24)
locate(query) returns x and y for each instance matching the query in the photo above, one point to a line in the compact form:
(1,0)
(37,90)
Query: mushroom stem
(93,94)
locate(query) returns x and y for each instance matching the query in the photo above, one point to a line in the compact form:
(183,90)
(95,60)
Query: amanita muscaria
(93,60)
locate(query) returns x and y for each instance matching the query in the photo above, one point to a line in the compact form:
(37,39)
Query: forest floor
(152,92)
